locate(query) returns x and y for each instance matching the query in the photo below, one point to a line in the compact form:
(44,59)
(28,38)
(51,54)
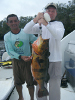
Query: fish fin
(43,92)
(47,77)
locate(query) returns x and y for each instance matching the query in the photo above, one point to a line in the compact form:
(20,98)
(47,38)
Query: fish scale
(40,62)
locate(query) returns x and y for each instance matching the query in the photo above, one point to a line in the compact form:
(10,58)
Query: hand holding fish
(38,17)
(46,18)
(43,21)
(42,18)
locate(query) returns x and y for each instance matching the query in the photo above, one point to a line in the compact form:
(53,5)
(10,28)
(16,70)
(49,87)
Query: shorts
(22,72)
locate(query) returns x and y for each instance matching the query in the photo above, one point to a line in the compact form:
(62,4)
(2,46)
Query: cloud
(23,7)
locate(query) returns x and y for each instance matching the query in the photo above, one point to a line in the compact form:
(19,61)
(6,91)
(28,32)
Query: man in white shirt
(54,31)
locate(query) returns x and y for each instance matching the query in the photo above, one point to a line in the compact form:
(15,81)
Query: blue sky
(24,7)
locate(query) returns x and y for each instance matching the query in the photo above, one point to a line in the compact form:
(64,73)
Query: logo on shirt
(18,44)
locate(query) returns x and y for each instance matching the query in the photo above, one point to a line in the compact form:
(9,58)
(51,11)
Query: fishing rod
(47,18)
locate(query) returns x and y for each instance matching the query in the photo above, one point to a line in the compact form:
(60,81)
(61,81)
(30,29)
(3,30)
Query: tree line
(65,14)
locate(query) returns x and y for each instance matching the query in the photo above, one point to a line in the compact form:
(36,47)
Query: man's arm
(57,31)
(32,27)
(9,48)
(12,53)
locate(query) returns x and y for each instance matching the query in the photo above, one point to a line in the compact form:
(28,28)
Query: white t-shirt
(54,31)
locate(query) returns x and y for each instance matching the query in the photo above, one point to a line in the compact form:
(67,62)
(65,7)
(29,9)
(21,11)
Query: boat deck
(66,94)
(6,83)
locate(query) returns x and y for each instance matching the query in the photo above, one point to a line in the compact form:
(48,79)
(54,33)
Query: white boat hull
(6,80)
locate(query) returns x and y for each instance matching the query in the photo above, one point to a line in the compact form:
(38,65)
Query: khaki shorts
(22,72)
(55,70)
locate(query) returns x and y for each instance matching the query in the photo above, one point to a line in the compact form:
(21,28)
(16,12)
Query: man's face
(13,23)
(52,12)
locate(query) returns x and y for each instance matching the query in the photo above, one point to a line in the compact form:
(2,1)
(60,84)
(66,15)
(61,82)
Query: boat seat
(5,56)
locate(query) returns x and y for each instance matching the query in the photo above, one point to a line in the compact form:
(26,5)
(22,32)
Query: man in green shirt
(17,44)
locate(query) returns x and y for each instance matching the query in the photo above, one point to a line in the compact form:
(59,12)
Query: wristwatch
(19,57)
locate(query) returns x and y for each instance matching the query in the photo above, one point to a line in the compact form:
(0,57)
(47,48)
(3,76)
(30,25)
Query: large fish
(40,62)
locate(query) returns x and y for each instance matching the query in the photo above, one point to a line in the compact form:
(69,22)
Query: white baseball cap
(51,5)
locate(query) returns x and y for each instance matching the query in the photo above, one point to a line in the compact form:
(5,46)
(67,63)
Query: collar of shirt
(52,20)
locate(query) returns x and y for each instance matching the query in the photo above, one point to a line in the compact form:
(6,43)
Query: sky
(24,7)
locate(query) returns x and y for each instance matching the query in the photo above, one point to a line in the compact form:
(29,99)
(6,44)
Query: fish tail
(43,92)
